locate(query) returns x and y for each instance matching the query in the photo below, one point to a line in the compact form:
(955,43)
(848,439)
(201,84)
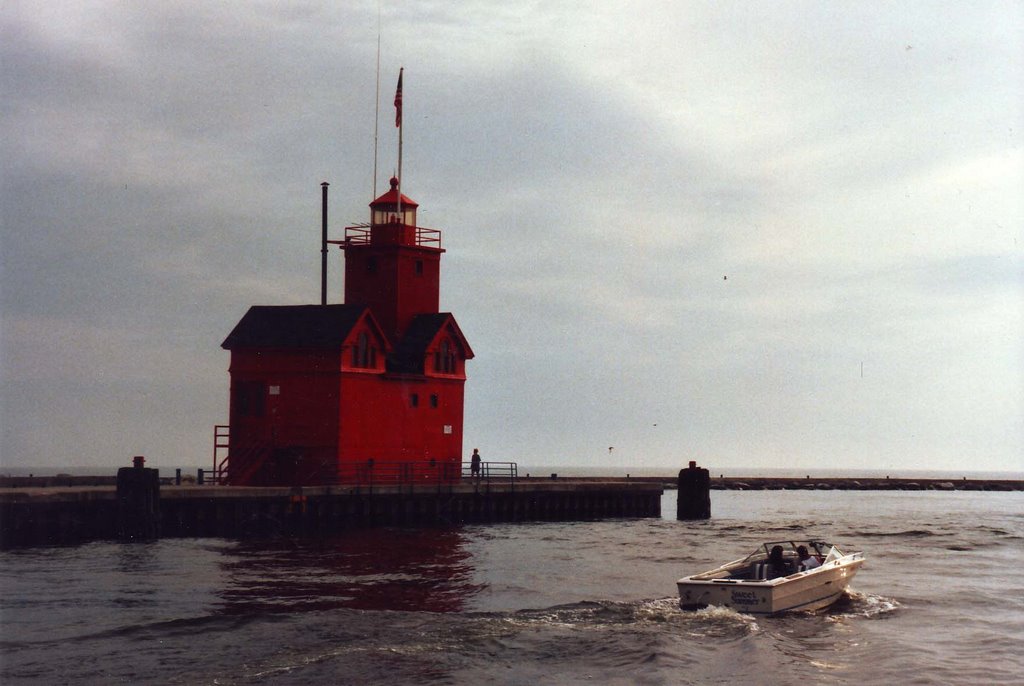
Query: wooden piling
(694,494)
(138,503)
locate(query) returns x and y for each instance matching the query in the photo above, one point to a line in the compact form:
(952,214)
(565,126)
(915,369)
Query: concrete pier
(69,509)
(831,483)
(812,483)
(59,515)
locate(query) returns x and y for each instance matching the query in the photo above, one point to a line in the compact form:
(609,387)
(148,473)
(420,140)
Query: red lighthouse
(369,390)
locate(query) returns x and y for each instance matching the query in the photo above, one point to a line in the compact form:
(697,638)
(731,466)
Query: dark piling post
(138,502)
(694,494)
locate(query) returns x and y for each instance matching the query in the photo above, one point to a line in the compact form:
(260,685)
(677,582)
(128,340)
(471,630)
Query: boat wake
(865,605)
(708,621)
(711,621)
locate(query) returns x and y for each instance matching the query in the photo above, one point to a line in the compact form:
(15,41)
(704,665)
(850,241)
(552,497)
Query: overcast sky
(758,235)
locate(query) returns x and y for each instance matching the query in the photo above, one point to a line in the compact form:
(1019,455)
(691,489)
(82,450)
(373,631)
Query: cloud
(702,216)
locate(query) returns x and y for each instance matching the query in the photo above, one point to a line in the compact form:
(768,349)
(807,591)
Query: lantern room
(387,210)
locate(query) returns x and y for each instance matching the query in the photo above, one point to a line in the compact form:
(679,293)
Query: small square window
(433,399)
(419,267)
(414,400)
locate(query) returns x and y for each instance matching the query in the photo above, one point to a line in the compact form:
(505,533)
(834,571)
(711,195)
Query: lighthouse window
(444,359)
(362,354)
(414,400)
(249,398)
(433,400)
(371,265)
(419,267)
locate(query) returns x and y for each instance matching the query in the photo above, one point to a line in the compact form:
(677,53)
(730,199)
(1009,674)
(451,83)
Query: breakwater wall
(734,483)
(865,484)
(72,514)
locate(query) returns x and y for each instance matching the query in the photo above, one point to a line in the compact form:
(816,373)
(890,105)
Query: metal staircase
(247,458)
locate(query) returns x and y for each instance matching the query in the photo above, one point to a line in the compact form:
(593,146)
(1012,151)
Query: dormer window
(444,358)
(363,355)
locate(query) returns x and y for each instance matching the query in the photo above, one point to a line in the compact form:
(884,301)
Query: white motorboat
(771,580)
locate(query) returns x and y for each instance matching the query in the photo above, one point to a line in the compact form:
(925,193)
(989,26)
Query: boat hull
(806,591)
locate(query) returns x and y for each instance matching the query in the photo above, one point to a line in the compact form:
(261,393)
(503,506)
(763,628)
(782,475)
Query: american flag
(398,99)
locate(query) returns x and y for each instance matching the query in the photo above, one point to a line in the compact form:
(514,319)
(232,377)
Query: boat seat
(759,571)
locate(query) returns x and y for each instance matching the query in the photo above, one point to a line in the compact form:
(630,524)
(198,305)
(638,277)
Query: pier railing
(361,234)
(492,471)
(371,473)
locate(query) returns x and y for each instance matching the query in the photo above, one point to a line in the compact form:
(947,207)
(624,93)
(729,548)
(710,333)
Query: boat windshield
(819,549)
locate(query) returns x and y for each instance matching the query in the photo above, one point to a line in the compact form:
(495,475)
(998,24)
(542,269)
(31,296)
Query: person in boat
(805,560)
(777,565)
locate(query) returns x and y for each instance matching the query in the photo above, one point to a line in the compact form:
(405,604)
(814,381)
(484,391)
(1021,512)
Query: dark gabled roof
(409,353)
(294,326)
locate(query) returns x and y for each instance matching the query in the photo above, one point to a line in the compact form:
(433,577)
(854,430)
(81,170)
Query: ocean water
(939,601)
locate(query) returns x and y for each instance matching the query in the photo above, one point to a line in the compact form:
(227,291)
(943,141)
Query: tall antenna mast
(376,113)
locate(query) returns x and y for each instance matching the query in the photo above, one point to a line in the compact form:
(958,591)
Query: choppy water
(940,600)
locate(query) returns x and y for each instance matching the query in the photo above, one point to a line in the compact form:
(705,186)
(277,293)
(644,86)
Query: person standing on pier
(474,463)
